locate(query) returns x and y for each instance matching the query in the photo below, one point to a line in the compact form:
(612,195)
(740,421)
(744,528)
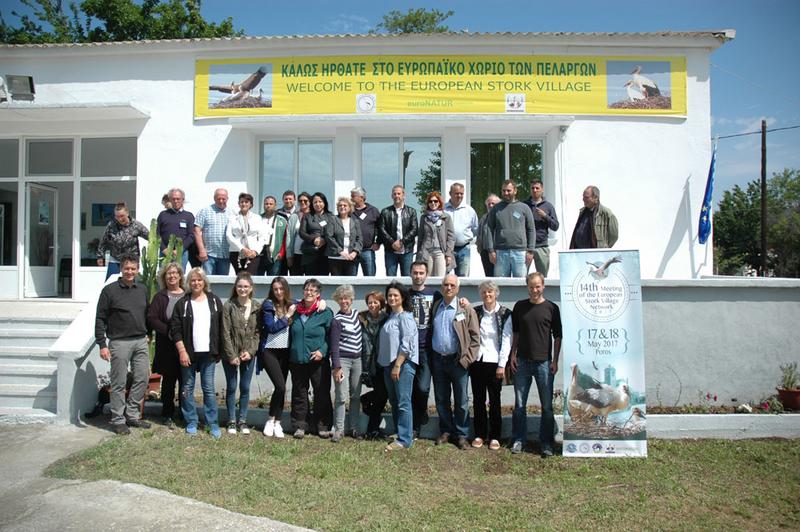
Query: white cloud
(343,23)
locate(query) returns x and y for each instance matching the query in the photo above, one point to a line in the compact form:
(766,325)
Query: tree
(414,21)
(737,227)
(112,20)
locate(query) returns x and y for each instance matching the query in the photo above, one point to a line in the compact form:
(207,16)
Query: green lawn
(708,484)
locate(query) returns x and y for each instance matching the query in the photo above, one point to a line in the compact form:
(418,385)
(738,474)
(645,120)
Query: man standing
(535,347)
(488,265)
(209,235)
(597,226)
(274,251)
(289,201)
(120,331)
(511,237)
(367,217)
(454,340)
(545,220)
(465,227)
(422,299)
(176,221)
(397,230)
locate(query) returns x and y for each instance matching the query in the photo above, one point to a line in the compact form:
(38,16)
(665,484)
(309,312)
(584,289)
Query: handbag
(278,340)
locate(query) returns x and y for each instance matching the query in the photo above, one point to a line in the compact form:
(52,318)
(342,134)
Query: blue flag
(704,227)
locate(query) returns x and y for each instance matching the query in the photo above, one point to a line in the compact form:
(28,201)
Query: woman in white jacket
(246,236)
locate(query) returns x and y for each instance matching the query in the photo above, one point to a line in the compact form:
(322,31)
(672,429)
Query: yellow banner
(426,84)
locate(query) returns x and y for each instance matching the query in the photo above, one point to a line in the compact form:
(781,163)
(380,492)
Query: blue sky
(752,77)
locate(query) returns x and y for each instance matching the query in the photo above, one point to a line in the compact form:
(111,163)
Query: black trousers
(374,402)
(318,374)
(276,362)
(250,266)
(348,268)
(168,383)
(313,263)
(482,376)
(488,267)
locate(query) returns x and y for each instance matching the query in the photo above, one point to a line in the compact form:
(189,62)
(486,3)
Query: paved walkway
(31,502)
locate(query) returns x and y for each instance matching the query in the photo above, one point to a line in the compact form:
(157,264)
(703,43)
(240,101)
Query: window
(8,224)
(491,161)
(49,157)
(9,158)
(414,163)
(305,165)
(106,157)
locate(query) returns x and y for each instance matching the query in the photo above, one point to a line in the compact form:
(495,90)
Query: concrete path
(31,502)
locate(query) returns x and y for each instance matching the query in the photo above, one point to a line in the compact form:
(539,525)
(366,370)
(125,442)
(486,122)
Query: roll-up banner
(603,354)
(430,84)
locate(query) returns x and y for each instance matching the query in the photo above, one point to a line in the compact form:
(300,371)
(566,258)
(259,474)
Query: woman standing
(343,240)
(120,239)
(245,236)
(293,240)
(372,320)
(399,356)
(346,352)
(196,328)
(312,232)
(159,313)
(309,362)
(436,237)
(240,343)
(486,373)
(277,313)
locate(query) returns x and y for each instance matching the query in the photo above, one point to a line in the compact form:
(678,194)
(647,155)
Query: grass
(705,484)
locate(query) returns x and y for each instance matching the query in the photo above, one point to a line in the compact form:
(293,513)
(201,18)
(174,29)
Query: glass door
(492,161)
(40,240)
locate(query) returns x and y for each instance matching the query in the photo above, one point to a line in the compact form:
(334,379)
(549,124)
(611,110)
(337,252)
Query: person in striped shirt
(346,347)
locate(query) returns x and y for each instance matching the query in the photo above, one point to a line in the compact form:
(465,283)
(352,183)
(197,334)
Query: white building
(126,121)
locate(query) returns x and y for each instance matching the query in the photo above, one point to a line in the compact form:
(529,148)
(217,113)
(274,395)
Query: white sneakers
(273,428)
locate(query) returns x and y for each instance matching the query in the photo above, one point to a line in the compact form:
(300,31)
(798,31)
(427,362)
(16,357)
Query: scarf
(433,216)
(303,310)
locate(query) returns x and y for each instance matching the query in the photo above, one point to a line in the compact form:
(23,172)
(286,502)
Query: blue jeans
(510,263)
(367,261)
(392,260)
(205,366)
(400,397)
(232,374)
(112,269)
(422,390)
(527,370)
(447,373)
(462,260)
(217,266)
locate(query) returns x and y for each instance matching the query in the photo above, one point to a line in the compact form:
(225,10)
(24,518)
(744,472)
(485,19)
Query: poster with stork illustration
(603,354)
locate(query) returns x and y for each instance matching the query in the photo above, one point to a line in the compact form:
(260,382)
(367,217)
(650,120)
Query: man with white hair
(209,235)
(367,216)
(465,228)
(176,221)
(453,342)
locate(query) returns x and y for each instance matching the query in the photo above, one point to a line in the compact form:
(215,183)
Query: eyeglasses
(303,201)
(434,201)
(343,206)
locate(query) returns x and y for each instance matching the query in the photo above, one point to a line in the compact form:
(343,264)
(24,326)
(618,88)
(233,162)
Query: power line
(757,132)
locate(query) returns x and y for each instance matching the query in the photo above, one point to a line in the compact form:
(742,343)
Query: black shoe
(120,429)
(443,438)
(168,423)
(138,424)
(462,443)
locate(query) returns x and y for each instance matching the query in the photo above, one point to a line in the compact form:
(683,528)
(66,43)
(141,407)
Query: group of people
(407,338)
(303,236)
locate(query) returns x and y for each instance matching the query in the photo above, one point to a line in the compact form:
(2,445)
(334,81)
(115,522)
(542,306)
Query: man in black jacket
(120,332)
(397,230)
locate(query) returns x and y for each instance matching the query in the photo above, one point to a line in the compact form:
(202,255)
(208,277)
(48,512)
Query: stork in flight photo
(599,270)
(245,93)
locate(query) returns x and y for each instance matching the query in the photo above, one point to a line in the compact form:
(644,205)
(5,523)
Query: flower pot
(154,384)
(790,399)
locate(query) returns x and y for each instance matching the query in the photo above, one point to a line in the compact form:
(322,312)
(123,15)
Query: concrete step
(27,396)
(43,375)
(26,416)
(25,355)
(29,338)
(15,323)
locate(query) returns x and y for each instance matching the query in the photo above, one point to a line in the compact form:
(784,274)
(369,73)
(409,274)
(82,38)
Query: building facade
(127,121)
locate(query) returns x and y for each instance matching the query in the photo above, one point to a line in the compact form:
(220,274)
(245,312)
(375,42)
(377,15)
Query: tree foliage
(111,20)
(737,227)
(419,20)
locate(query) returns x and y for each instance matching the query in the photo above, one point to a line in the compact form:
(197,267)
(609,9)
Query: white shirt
(201,326)
(465,223)
(490,339)
(399,212)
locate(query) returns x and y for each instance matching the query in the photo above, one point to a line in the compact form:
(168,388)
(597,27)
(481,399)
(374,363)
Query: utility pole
(763,198)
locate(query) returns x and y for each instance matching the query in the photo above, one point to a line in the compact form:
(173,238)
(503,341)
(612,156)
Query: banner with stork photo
(603,353)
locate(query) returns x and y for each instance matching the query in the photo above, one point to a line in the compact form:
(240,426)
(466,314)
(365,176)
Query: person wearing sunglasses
(436,237)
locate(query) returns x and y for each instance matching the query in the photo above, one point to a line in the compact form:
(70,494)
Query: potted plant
(788,390)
